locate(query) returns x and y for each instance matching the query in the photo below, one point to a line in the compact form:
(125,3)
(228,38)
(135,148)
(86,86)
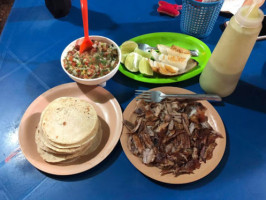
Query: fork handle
(210,97)
(84,11)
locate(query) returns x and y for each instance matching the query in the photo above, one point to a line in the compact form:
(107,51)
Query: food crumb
(64,123)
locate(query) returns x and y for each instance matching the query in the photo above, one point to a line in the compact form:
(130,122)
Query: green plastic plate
(166,38)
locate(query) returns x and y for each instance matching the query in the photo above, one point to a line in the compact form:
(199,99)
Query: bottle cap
(249,16)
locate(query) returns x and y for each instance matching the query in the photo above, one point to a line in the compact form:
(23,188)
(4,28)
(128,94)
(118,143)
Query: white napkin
(232,6)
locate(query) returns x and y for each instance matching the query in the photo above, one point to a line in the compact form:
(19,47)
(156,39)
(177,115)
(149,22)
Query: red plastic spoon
(87,43)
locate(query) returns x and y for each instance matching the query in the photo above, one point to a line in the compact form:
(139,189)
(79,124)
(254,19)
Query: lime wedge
(123,58)
(143,53)
(144,67)
(128,47)
(132,62)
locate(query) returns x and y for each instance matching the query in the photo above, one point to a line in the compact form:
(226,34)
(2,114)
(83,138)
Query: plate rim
(113,141)
(166,80)
(141,167)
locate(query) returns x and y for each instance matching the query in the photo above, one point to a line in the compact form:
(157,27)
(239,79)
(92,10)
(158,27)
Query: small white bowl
(94,81)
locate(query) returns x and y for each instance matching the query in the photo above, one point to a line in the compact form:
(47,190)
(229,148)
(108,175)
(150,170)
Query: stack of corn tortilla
(68,129)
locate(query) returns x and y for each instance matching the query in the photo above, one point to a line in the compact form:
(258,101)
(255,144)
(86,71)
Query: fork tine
(142,94)
(146,100)
(142,97)
(143,91)
(140,90)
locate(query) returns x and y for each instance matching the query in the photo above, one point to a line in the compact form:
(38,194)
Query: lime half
(143,53)
(144,67)
(132,62)
(128,47)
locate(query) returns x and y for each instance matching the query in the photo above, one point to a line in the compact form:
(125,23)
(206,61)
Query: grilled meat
(173,135)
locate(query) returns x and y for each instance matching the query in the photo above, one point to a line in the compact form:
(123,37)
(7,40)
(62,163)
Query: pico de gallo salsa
(93,63)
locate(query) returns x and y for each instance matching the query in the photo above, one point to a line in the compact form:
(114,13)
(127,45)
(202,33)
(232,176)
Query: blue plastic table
(30,48)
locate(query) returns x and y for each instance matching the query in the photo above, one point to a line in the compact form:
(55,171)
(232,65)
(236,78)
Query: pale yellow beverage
(222,72)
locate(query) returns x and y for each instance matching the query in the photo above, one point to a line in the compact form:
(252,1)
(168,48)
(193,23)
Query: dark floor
(5,7)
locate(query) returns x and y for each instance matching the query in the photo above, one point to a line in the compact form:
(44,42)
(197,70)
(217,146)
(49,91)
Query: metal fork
(146,47)
(157,96)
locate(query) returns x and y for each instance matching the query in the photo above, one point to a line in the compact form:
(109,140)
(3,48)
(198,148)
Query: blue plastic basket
(198,19)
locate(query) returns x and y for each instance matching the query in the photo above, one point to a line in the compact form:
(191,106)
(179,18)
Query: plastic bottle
(224,68)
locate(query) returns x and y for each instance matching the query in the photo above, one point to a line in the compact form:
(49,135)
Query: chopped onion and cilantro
(98,61)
